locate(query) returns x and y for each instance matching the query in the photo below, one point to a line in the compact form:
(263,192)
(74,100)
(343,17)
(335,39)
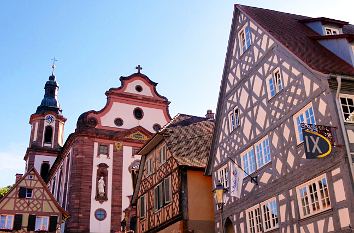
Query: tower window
(45,170)
(48,134)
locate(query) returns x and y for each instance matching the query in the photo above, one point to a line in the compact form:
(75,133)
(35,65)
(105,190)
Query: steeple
(50,100)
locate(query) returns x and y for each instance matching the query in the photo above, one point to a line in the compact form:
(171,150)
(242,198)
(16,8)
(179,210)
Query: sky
(181,45)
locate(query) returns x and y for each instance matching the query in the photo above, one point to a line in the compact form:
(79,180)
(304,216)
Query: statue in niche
(101,187)
(102,182)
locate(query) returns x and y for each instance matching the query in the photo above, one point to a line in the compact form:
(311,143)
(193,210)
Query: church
(91,173)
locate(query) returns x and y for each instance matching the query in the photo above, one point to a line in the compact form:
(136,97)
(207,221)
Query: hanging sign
(236,180)
(316,145)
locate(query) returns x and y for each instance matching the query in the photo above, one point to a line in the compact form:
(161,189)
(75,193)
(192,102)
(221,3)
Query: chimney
(18,177)
(210,115)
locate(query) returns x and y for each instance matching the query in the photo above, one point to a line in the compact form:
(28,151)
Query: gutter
(342,126)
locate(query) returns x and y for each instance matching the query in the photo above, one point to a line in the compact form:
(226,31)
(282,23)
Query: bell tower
(47,130)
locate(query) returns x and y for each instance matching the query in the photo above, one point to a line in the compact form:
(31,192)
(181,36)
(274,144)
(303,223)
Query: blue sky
(180,44)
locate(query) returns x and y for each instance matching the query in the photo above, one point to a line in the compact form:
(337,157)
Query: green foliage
(4,190)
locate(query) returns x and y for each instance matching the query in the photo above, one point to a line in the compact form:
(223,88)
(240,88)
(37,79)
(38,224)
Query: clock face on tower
(49,119)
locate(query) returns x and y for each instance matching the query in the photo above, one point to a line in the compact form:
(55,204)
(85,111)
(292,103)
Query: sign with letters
(316,145)
(236,181)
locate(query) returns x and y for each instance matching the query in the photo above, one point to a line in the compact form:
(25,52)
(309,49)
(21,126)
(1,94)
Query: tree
(4,190)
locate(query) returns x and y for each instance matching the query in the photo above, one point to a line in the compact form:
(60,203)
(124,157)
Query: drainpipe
(341,121)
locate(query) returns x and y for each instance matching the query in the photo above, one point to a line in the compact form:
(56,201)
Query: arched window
(59,185)
(48,134)
(229,227)
(45,170)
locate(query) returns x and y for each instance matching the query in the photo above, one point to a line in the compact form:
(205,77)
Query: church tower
(47,128)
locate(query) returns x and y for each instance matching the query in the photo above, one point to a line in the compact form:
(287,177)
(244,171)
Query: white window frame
(7,219)
(167,193)
(149,165)
(223,176)
(311,203)
(270,208)
(163,154)
(303,116)
(262,152)
(142,206)
(275,83)
(254,219)
(42,223)
(331,31)
(248,157)
(102,151)
(346,96)
(29,193)
(245,38)
(234,119)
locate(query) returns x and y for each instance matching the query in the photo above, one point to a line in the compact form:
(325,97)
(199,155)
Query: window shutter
(18,222)
(53,223)
(156,199)
(31,222)
(161,196)
(22,192)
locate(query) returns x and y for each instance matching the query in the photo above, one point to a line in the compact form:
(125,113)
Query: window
(249,161)
(347,103)
(156,127)
(138,113)
(331,31)
(149,168)
(142,206)
(167,189)
(138,88)
(103,149)
(313,196)
(306,115)
(163,155)
(234,119)
(162,193)
(263,152)
(45,170)
(254,221)
(25,192)
(42,223)
(100,214)
(270,214)
(223,176)
(118,121)
(6,221)
(275,83)
(48,134)
(263,217)
(158,197)
(244,37)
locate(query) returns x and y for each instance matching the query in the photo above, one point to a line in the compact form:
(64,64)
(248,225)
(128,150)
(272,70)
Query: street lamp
(219,192)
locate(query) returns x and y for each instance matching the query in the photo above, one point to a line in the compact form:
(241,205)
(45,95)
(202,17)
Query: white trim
(296,115)
(347,97)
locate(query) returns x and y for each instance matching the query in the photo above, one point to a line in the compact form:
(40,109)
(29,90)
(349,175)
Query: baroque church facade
(91,174)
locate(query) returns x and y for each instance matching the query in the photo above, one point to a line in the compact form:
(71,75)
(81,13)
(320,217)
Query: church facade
(91,174)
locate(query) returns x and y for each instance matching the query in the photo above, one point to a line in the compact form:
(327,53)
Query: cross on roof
(139,68)
(53,64)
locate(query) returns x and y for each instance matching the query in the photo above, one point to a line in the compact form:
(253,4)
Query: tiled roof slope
(188,138)
(296,36)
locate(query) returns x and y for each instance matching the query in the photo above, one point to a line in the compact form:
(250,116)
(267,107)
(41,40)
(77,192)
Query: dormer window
(331,31)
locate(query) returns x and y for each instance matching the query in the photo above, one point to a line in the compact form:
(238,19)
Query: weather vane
(139,68)
(53,64)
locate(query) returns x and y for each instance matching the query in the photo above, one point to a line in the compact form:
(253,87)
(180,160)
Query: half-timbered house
(172,192)
(284,72)
(30,207)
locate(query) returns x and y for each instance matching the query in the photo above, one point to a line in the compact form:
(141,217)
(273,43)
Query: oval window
(118,121)
(138,88)
(100,214)
(156,127)
(138,113)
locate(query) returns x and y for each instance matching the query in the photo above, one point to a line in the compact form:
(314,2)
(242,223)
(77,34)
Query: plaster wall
(125,112)
(39,160)
(104,225)
(146,90)
(127,183)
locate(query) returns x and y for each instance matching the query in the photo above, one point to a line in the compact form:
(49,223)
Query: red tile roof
(296,36)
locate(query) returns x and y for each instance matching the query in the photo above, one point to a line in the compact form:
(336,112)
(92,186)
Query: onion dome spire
(50,100)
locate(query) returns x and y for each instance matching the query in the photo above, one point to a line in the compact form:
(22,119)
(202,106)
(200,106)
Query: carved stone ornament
(118,146)
(102,183)
(138,136)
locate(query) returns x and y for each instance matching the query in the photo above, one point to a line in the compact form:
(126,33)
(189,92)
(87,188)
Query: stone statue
(101,185)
